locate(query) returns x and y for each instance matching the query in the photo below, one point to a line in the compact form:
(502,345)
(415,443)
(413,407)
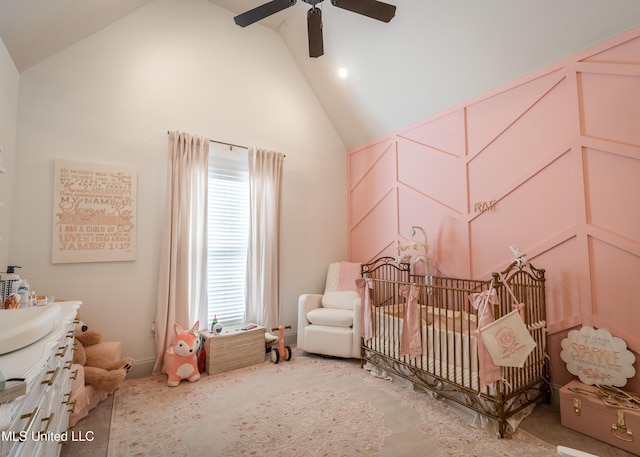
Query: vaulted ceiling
(432,55)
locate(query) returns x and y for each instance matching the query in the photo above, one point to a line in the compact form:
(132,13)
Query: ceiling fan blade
(262,11)
(314,29)
(371,8)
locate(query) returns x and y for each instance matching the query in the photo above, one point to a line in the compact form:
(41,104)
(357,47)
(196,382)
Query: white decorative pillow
(342,299)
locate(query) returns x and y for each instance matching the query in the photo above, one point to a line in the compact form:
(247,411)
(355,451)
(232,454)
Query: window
(228,223)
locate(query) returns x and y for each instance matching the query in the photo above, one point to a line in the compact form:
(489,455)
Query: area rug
(308,406)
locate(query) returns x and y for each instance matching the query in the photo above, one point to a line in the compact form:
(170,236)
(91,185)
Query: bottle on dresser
(22,289)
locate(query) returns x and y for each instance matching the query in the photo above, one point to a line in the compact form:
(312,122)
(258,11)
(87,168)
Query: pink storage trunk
(587,414)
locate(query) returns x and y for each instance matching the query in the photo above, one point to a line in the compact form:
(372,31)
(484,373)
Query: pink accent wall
(558,151)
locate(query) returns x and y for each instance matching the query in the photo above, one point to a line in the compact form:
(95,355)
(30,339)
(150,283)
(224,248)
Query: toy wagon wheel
(287,353)
(275,355)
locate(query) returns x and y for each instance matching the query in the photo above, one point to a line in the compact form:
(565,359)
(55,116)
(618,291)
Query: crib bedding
(447,336)
(433,316)
(447,361)
(455,370)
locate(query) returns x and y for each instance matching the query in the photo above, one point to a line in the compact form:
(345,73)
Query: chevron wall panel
(550,163)
(430,173)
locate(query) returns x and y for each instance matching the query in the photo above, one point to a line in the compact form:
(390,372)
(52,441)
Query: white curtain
(183,258)
(265,188)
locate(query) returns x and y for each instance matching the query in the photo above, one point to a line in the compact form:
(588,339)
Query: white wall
(112,97)
(9,81)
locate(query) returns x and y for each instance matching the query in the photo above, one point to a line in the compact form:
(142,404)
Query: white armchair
(329,323)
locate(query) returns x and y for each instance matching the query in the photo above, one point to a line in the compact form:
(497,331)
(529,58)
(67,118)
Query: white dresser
(36,424)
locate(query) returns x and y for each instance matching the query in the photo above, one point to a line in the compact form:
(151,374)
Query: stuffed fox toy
(180,361)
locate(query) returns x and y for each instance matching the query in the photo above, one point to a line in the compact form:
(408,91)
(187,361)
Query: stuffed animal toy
(99,372)
(180,361)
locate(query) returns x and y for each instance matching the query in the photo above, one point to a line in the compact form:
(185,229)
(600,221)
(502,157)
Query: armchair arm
(306,303)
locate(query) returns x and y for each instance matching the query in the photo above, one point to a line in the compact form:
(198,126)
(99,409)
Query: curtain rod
(231,145)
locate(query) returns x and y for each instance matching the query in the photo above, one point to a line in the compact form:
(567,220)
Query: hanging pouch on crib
(508,340)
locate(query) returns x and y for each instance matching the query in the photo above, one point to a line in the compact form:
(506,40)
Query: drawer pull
(48,420)
(63,350)
(52,379)
(74,375)
(72,406)
(32,417)
(68,397)
(70,334)
(67,366)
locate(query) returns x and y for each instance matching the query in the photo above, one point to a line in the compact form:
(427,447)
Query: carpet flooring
(308,406)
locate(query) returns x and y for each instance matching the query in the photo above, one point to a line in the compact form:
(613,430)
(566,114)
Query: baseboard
(290,338)
(144,368)
(141,369)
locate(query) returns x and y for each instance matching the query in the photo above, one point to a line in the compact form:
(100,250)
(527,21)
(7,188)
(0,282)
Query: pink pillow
(347,276)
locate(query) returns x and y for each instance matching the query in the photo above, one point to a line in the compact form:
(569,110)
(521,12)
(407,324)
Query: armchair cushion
(342,299)
(331,316)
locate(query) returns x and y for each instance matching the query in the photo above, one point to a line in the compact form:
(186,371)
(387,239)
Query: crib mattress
(447,341)
(453,370)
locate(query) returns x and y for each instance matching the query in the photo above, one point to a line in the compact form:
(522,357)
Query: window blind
(228,222)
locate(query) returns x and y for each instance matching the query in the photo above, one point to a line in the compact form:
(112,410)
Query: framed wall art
(94,212)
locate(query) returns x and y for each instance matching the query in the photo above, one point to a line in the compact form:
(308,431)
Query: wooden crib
(448,362)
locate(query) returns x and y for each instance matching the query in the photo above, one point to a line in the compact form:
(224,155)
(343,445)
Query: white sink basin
(21,327)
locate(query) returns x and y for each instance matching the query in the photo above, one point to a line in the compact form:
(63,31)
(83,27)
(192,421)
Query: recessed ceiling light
(343,72)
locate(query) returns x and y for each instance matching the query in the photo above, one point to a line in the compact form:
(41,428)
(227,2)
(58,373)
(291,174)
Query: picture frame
(94,212)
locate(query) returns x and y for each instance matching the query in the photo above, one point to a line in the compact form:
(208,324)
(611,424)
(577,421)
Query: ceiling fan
(371,8)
